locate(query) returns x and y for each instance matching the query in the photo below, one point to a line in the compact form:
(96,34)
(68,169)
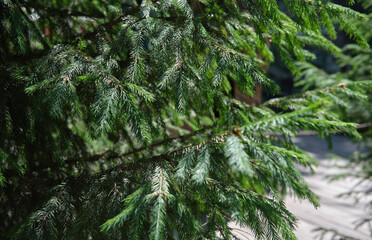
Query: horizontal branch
(360,127)
(138,150)
(109,25)
(27,57)
(162,157)
(52,12)
(167,156)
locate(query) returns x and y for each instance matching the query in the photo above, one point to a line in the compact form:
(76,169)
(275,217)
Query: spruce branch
(110,24)
(218,139)
(109,155)
(35,28)
(50,11)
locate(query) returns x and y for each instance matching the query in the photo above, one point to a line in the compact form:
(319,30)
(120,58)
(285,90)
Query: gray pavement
(334,213)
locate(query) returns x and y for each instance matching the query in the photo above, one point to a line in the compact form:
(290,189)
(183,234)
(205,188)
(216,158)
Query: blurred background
(343,179)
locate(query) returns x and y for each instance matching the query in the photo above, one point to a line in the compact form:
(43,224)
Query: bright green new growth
(119,122)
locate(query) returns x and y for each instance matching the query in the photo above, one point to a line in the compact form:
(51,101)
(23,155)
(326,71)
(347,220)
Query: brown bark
(257,98)
(254,101)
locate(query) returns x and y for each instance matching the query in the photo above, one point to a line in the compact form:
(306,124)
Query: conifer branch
(138,150)
(48,11)
(35,28)
(218,139)
(109,25)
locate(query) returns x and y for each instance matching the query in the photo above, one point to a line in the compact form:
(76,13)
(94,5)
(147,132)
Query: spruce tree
(118,122)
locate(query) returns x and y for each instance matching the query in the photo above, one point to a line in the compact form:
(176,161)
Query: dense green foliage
(118,122)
